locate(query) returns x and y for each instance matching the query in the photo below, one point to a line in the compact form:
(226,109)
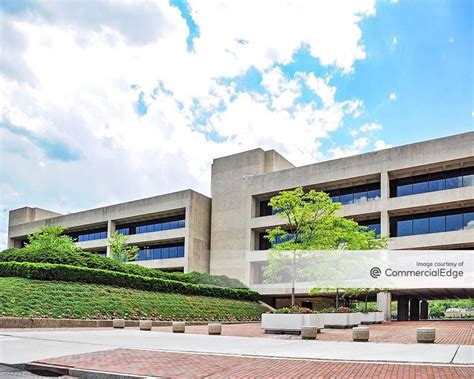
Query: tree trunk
(293,280)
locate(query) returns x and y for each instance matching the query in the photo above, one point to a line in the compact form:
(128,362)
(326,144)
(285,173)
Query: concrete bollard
(214,328)
(118,323)
(309,332)
(360,333)
(145,324)
(425,335)
(178,326)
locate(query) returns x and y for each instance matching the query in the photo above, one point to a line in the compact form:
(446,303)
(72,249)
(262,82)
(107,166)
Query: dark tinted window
(454,222)
(433,222)
(437,224)
(420,226)
(432,182)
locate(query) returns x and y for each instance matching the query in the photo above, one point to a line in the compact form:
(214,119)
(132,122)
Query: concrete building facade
(420,195)
(171,230)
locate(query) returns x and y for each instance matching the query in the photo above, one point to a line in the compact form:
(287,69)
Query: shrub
(91,260)
(337,310)
(294,309)
(68,273)
(371,307)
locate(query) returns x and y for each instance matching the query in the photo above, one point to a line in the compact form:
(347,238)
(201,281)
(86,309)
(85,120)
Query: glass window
(420,226)
(469,220)
(173,224)
(141,255)
(181,251)
(165,226)
(148,228)
(347,199)
(148,254)
(404,190)
(157,253)
(360,196)
(420,187)
(373,194)
(437,185)
(453,182)
(141,229)
(165,252)
(181,224)
(468,180)
(335,198)
(404,228)
(454,222)
(437,224)
(173,251)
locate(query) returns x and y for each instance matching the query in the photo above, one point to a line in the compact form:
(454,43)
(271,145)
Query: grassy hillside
(34,298)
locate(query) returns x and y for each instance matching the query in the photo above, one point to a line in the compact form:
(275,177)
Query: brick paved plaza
(447,332)
(183,365)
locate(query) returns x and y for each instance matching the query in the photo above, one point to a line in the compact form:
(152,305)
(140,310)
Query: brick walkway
(181,365)
(447,332)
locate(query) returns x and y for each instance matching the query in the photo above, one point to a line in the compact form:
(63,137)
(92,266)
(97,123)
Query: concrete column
(414,309)
(402,309)
(424,314)
(384,196)
(384,302)
(110,231)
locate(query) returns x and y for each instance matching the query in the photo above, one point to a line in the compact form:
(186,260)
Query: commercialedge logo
(439,272)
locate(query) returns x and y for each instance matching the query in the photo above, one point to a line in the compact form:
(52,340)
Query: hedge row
(60,272)
(90,260)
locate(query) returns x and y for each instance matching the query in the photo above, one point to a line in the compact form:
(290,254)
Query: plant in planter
(341,317)
(293,310)
(290,320)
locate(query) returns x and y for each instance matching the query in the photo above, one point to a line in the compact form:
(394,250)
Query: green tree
(121,251)
(50,239)
(311,223)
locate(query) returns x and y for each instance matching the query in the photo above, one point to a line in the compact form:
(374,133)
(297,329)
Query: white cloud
(68,72)
(393,96)
(394,42)
(380,145)
(371,127)
(393,1)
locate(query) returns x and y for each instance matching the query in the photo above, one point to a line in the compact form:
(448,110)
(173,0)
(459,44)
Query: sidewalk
(22,347)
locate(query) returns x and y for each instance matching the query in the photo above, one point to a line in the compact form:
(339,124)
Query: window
(373,225)
(347,198)
(167,251)
(420,226)
(469,220)
(151,226)
(432,182)
(454,222)
(437,224)
(405,228)
(420,187)
(434,222)
(265,208)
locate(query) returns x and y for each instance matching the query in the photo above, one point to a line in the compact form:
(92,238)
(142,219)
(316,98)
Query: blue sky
(110,101)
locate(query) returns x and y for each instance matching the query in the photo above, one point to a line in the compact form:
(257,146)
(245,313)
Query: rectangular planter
(341,320)
(371,318)
(291,323)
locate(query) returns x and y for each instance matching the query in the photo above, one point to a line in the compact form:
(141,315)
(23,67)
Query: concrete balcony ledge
(266,222)
(162,263)
(163,235)
(433,240)
(93,244)
(461,195)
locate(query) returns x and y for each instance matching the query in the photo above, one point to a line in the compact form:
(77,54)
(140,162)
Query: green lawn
(35,298)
